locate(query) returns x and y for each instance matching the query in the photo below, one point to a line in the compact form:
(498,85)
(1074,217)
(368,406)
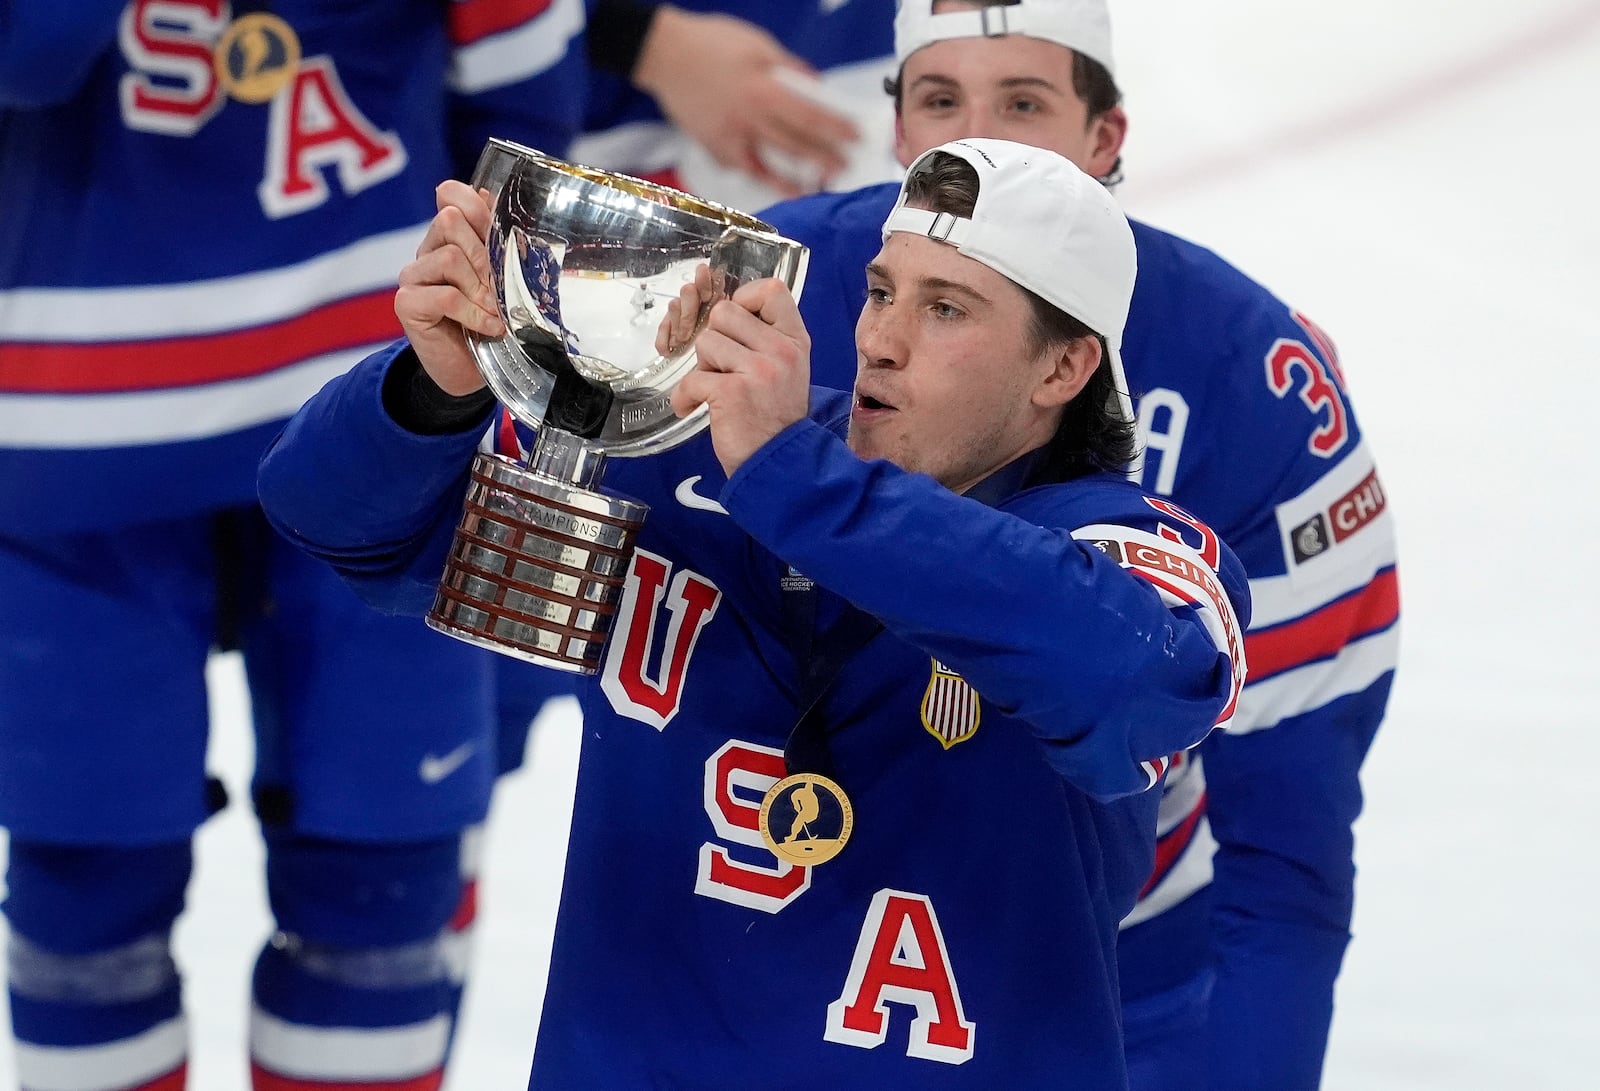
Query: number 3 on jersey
(1320,384)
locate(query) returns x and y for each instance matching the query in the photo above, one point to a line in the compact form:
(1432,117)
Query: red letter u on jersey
(625,677)
(901,957)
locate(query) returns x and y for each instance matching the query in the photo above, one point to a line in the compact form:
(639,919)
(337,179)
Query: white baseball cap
(1080,25)
(1045,225)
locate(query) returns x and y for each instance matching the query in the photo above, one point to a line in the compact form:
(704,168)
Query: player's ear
(1107,131)
(902,150)
(1070,366)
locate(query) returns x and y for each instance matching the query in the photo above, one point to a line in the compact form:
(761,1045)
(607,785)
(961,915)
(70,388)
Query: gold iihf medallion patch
(950,708)
(257,55)
(806,819)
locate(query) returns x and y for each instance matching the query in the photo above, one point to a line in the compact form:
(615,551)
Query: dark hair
(1092,434)
(1091,81)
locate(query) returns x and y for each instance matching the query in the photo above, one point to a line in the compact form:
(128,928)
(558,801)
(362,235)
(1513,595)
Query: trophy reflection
(583,263)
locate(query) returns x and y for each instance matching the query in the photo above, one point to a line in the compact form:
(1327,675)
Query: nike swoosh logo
(434,769)
(690,499)
(830,6)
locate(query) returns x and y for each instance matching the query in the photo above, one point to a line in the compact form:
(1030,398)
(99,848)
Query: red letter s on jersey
(171,39)
(751,769)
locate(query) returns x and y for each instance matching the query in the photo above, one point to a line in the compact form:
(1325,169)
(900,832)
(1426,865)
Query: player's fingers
(683,315)
(666,342)
(788,187)
(473,204)
(715,351)
(693,391)
(769,302)
(463,221)
(731,322)
(805,130)
(450,268)
(805,107)
(677,327)
(451,228)
(827,156)
(427,305)
(769,298)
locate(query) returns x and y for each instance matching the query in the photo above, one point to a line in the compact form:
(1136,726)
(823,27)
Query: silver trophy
(584,263)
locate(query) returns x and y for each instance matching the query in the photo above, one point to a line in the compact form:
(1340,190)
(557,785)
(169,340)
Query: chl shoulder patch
(950,710)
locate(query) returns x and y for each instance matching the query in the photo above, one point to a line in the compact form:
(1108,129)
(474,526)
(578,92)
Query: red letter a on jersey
(691,601)
(901,957)
(314,125)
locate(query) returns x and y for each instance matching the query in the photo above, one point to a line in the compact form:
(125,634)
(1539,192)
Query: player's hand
(713,77)
(683,314)
(447,289)
(753,372)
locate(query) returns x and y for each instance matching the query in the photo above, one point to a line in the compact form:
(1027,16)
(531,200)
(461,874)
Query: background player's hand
(447,289)
(753,371)
(714,77)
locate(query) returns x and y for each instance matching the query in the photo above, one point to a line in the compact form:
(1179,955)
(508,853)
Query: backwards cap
(1044,225)
(1080,25)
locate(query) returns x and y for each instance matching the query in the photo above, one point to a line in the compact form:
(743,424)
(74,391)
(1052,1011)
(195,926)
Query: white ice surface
(1420,176)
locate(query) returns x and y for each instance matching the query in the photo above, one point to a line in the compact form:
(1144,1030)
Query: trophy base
(537,566)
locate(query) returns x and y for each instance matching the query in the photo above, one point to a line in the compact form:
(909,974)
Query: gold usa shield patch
(950,709)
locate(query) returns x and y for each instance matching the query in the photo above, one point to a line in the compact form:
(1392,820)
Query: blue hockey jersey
(1245,421)
(194,241)
(996,739)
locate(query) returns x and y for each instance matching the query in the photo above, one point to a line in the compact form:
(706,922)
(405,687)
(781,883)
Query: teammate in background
(990,657)
(1229,960)
(203,211)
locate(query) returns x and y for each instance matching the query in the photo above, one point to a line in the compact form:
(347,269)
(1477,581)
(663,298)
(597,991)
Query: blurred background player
(1228,962)
(204,207)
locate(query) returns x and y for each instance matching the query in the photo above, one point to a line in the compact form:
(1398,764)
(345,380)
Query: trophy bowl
(583,264)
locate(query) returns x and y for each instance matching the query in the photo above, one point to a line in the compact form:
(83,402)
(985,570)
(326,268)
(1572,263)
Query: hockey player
(203,207)
(1229,960)
(976,641)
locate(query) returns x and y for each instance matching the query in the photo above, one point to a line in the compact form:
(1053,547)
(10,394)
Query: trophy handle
(742,255)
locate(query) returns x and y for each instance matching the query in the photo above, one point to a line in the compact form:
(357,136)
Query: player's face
(1011,88)
(948,382)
